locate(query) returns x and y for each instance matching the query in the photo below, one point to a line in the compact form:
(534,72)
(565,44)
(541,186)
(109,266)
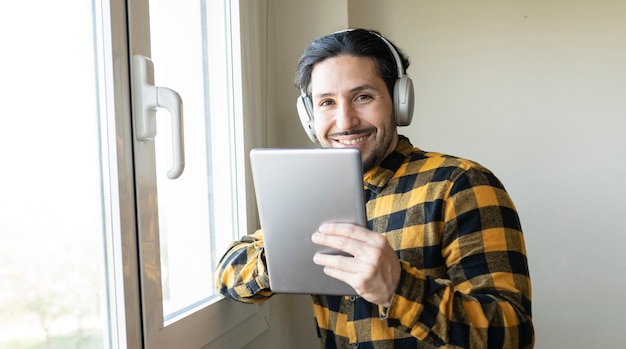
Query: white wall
(534,90)
(294,24)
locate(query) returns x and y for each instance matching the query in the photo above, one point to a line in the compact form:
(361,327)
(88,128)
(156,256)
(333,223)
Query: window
(52,227)
(200,69)
(83,200)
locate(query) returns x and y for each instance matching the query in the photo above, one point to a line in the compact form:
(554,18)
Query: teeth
(351,141)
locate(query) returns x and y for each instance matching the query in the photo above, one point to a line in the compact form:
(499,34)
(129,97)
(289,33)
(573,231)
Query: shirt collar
(376,178)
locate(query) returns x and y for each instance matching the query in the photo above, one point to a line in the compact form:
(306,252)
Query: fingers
(374,269)
(344,264)
(346,269)
(344,229)
(375,282)
(349,238)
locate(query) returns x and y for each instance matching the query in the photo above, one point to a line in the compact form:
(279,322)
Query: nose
(346,117)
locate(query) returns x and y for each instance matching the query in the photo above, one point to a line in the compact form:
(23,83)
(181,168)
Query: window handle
(147,98)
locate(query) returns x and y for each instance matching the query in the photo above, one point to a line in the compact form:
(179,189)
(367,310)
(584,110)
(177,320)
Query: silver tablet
(297,190)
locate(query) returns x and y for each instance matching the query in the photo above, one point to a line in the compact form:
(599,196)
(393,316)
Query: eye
(325,102)
(363,98)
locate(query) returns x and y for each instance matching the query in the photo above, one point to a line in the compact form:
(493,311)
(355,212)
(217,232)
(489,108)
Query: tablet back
(297,190)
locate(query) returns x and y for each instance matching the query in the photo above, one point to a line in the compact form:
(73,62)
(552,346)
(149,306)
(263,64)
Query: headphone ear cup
(305,112)
(403,100)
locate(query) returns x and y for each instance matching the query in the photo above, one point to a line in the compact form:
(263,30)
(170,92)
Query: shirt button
(353,299)
(355,345)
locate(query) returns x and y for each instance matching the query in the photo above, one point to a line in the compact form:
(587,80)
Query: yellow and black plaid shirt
(464,280)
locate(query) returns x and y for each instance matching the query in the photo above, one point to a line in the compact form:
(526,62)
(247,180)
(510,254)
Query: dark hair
(353,42)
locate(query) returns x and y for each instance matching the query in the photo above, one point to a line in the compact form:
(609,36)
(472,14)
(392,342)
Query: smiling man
(349,97)
(442,261)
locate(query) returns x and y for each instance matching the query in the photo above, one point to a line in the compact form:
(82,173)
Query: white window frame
(222,323)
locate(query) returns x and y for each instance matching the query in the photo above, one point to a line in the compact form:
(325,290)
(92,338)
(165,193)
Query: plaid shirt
(464,280)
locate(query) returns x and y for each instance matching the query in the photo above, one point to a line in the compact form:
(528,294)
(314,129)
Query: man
(442,262)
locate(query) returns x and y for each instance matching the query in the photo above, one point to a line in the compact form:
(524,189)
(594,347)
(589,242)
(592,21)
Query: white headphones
(403,97)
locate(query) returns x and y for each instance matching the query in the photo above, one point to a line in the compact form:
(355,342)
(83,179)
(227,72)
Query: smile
(351,141)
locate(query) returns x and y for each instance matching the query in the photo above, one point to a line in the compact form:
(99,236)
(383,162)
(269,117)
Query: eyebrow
(352,90)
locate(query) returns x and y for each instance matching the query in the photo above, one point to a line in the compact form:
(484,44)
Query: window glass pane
(188,44)
(51,257)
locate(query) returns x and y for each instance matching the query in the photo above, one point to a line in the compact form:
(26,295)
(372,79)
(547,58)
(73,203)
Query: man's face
(352,108)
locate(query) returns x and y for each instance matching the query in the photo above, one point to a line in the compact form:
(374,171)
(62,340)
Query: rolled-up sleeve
(241,274)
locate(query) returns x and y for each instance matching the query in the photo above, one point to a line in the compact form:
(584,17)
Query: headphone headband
(395,54)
